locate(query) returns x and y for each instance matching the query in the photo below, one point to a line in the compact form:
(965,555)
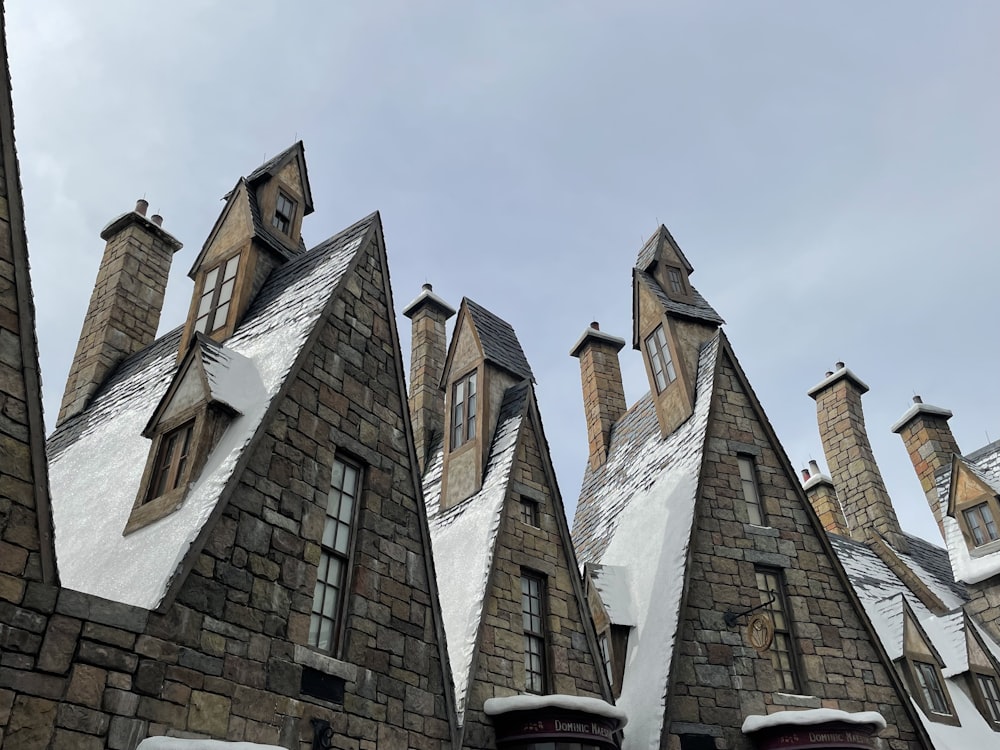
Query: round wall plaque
(760,631)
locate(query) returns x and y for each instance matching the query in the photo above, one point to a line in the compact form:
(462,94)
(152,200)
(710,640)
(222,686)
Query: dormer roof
(496,337)
(652,252)
(698,309)
(273,165)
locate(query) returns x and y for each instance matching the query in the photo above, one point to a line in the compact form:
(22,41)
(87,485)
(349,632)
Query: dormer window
(284,212)
(463,411)
(171,460)
(930,688)
(981,524)
(659,359)
(216,296)
(676,281)
(990,696)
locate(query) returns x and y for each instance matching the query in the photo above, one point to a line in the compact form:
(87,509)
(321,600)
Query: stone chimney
(823,498)
(603,393)
(428,349)
(856,477)
(928,440)
(125,305)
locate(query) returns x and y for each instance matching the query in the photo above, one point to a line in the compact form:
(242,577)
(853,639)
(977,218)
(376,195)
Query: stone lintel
(842,373)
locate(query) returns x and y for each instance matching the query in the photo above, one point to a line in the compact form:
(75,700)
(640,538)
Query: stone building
(934,609)
(725,615)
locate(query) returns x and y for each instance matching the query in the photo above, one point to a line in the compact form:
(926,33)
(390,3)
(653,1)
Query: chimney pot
(829,373)
(158,220)
(917,400)
(805,475)
(140,206)
(840,365)
(814,468)
(595,325)
(427,287)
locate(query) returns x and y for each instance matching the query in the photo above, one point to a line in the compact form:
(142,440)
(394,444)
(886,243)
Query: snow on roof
(636,511)
(463,537)
(96,460)
(811,717)
(612,583)
(176,743)
(974,732)
(232,378)
(984,463)
(947,633)
(583,704)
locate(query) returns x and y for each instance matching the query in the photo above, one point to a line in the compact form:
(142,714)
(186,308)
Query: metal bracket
(731,617)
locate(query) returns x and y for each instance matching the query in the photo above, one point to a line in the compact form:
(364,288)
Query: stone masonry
(849,455)
(125,305)
(603,393)
(718,678)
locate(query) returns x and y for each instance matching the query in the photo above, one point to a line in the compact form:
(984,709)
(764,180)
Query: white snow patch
(176,743)
(974,732)
(811,717)
(612,583)
(652,537)
(967,568)
(583,704)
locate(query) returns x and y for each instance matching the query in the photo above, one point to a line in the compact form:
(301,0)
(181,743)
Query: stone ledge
(801,701)
(326,664)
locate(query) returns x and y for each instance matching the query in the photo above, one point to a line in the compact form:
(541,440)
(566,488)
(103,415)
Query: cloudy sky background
(831,170)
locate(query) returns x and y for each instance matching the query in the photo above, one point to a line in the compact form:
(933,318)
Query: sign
(829,736)
(558,726)
(760,632)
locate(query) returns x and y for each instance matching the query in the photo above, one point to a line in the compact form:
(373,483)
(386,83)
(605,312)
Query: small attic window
(284,212)
(216,296)
(990,694)
(982,526)
(660,361)
(171,460)
(930,687)
(463,410)
(676,280)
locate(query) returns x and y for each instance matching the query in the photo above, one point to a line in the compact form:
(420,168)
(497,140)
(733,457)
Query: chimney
(125,305)
(823,498)
(428,348)
(928,440)
(856,477)
(603,394)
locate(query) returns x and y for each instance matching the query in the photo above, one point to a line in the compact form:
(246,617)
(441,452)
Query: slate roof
(268,168)
(698,309)
(500,344)
(647,254)
(463,538)
(636,511)
(96,459)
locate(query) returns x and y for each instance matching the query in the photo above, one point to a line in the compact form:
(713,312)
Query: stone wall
(718,678)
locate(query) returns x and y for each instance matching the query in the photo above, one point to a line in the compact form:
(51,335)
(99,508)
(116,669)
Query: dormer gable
(484,359)
(283,196)
(974,502)
(210,388)
(923,666)
(984,673)
(669,328)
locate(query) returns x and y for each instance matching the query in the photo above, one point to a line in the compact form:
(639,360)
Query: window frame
(783,641)
(676,281)
(280,217)
(211,313)
(171,473)
(661,363)
(464,410)
(988,704)
(329,553)
(536,680)
(754,505)
(932,688)
(980,511)
(530,512)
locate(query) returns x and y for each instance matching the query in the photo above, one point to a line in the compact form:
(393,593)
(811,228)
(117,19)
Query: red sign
(536,726)
(829,736)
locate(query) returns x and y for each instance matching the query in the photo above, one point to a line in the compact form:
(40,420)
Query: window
(284,212)
(171,460)
(659,359)
(331,578)
(676,280)
(930,687)
(532,615)
(529,512)
(748,478)
(782,657)
(216,295)
(463,411)
(991,696)
(981,524)
(606,658)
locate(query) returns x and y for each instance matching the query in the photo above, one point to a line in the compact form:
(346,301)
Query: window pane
(205,304)
(231,266)
(226,292)
(210,279)
(220,316)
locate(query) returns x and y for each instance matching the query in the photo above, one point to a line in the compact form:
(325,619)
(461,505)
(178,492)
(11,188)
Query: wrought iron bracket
(731,617)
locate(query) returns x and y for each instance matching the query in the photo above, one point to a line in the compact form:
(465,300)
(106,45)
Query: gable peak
(660,242)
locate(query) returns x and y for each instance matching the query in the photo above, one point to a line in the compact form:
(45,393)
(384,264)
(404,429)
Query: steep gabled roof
(500,344)
(96,459)
(636,511)
(697,309)
(649,252)
(463,538)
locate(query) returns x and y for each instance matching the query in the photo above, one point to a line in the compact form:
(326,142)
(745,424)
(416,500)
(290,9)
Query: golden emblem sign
(760,631)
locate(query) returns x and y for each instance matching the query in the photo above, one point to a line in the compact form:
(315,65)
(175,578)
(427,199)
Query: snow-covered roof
(177,743)
(593,706)
(463,538)
(96,459)
(985,464)
(636,511)
(612,584)
(811,717)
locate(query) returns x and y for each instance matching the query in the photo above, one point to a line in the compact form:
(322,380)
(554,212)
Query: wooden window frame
(210,315)
(464,410)
(283,220)
(751,489)
(604,644)
(332,611)
(979,518)
(533,623)
(783,643)
(989,705)
(173,454)
(661,363)
(529,512)
(676,282)
(930,686)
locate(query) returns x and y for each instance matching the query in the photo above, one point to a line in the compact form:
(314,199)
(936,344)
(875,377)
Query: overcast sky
(831,170)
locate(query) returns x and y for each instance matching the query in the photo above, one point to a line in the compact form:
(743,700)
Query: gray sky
(831,170)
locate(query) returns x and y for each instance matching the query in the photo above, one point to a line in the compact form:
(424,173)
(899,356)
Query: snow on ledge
(175,743)
(593,706)
(811,717)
